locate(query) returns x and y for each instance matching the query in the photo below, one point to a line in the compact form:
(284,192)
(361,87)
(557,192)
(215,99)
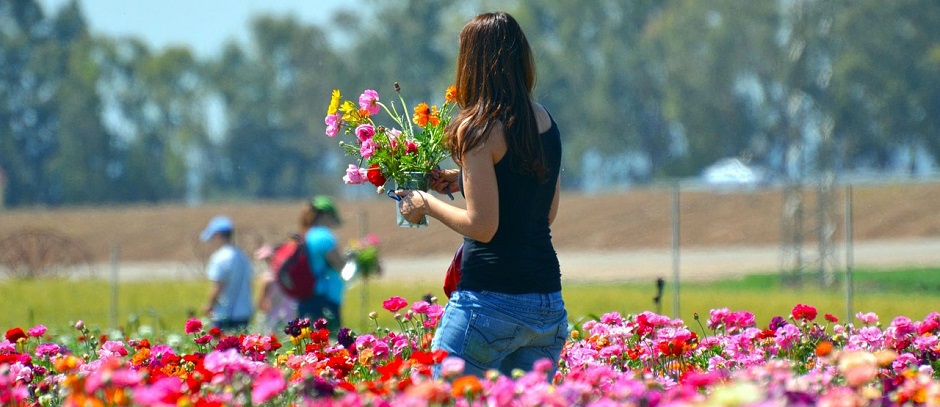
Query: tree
(275,95)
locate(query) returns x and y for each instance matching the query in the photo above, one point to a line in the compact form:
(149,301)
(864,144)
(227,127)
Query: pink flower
(420,307)
(868,318)
(394,304)
(371,240)
(112,349)
(716,317)
(365,132)
(48,350)
(612,318)
(355,175)
(163,392)
(435,311)
(333,124)
(193,325)
(452,366)
(266,385)
(37,331)
(369,100)
(858,367)
(367,148)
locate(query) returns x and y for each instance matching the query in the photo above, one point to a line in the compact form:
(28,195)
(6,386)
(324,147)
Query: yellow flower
(350,111)
(334,102)
(365,356)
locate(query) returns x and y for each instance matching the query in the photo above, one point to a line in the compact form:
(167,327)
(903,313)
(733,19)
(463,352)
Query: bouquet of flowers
(412,144)
(362,258)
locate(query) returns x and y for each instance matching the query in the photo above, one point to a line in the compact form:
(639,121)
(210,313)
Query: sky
(203,25)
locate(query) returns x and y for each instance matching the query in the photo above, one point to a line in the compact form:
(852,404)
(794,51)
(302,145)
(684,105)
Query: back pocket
(489,340)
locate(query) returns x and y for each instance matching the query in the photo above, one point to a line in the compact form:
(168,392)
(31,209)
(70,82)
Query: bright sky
(204,25)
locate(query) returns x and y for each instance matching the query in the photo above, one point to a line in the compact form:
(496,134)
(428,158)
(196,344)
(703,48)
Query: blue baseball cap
(218,224)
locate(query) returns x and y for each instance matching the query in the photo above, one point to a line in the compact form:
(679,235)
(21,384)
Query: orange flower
(450,95)
(467,386)
(425,115)
(823,348)
(142,356)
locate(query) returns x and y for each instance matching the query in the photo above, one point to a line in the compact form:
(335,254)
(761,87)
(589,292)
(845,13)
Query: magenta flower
(365,132)
(369,100)
(333,124)
(420,307)
(156,394)
(193,325)
(435,311)
(394,304)
(355,175)
(367,148)
(45,350)
(612,318)
(410,147)
(37,331)
(266,385)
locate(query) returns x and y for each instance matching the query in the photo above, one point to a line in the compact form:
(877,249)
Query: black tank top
(520,258)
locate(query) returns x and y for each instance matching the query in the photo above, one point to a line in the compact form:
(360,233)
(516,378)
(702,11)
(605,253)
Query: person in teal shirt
(326,261)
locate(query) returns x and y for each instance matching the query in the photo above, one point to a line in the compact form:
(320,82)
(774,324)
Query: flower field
(645,359)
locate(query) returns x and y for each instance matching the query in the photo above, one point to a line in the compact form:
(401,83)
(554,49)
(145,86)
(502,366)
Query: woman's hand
(445,181)
(413,204)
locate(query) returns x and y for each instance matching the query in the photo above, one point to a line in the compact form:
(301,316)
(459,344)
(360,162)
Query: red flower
(927,327)
(802,311)
(394,304)
(390,369)
(193,325)
(675,347)
(374,174)
(831,318)
(15,334)
(202,340)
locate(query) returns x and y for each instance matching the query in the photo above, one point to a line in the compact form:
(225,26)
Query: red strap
(453,273)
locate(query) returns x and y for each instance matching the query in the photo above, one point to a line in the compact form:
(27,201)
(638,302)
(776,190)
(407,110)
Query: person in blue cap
(230,305)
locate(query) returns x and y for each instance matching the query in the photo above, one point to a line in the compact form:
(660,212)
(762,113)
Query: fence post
(675,250)
(849,254)
(115,266)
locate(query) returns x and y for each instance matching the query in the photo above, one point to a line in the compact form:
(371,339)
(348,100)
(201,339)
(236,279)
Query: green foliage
(164,306)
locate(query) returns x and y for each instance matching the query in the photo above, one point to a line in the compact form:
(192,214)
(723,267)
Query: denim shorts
(491,330)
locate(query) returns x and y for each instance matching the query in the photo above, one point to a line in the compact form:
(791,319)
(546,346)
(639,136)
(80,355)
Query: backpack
(292,271)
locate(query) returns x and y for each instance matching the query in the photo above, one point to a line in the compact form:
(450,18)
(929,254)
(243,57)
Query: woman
(508,311)
(319,218)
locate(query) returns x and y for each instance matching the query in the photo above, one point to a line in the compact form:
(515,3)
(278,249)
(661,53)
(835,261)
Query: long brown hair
(495,77)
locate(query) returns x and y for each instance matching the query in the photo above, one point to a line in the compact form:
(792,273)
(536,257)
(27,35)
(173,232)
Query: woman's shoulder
(543,119)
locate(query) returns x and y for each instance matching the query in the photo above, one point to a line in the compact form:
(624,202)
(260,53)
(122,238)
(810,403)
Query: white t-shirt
(230,267)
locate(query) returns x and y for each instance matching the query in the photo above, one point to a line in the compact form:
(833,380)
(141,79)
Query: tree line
(649,89)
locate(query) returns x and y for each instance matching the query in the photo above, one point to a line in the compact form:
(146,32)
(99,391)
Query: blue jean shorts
(491,330)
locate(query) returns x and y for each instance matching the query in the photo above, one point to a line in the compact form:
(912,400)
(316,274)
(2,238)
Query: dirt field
(607,236)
